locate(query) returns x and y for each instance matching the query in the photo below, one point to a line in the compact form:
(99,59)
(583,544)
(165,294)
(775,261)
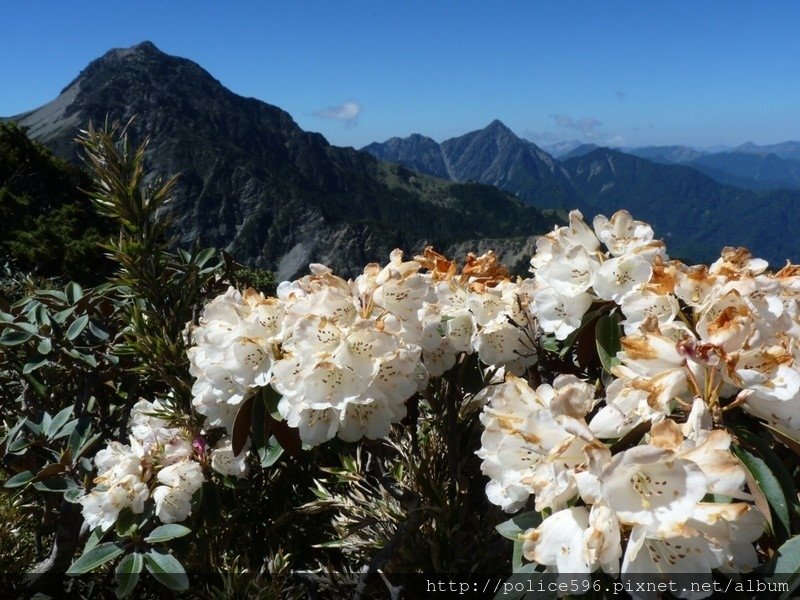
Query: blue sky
(619,73)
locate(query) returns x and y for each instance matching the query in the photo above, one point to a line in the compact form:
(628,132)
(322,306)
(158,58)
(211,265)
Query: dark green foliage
(162,289)
(47,226)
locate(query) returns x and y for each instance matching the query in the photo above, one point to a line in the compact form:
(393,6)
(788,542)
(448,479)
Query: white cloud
(347,112)
(587,126)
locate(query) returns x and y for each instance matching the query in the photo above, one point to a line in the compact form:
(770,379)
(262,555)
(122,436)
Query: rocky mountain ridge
(252,181)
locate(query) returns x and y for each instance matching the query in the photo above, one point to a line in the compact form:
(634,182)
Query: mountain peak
(498,126)
(145,49)
(145,46)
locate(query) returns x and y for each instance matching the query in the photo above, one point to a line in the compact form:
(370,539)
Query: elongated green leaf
(37,385)
(73,291)
(19,479)
(63,315)
(41,316)
(34,364)
(55,484)
(11,337)
(127,523)
(99,555)
(45,424)
(203,256)
(77,326)
(167,570)
(769,485)
(73,496)
(49,471)
(59,421)
(167,532)
(607,337)
(787,566)
(21,326)
(94,538)
(80,433)
(519,524)
(775,464)
(270,453)
(127,574)
(98,331)
(57,294)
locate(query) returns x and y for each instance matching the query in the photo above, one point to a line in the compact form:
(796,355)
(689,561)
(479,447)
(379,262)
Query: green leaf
(787,440)
(45,346)
(11,337)
(49,471)
(45,424)
(59,421)
(607,336)
(769,485)
(22,326)
(74,292)
(73,496)
(550,343)
(127,573)
(270,453)
(787,566)
(126,523)
(20,479)
(99,555)
(87,358)
(78,436)
(37,385)
(94,538)
(41,316)
(77,326)
(519,524)
(98,331)
(55,484)
(63,315)
(167,532)
(167,570)
(774,463)
(271,400)
(204,256)
(34,364)
(57,294)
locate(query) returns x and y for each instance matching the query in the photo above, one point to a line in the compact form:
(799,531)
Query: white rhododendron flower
(224,461)
(126,474)
(560,542)
(534,441)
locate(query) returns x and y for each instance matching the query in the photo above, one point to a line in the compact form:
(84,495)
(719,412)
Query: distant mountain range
(255,183)
(493,155)
(279,197)
(689,196)
(770,167)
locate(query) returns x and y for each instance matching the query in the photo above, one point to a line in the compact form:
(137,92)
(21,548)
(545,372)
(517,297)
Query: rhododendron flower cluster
(694,342)
(160,464)
(346,356)
(698,341)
